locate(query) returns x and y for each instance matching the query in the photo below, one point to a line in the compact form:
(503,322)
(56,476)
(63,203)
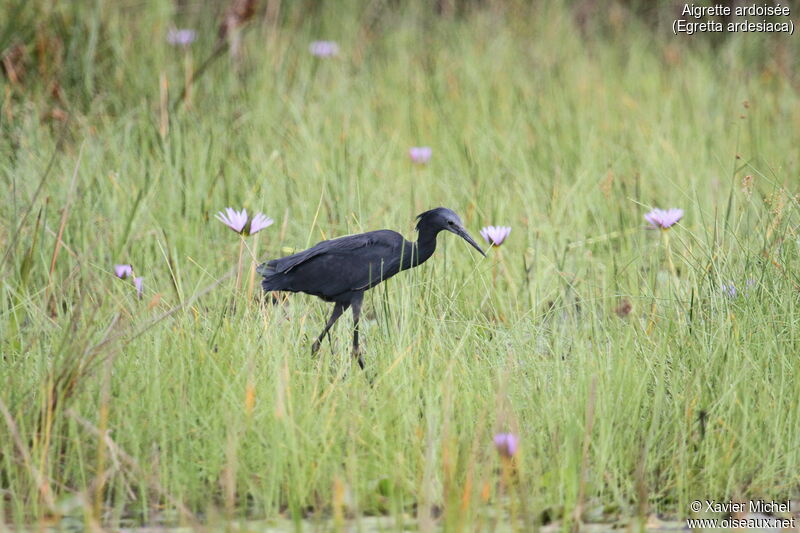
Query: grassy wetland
(640,369)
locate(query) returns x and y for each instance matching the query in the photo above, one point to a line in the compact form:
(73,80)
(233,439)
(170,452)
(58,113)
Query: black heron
(341,270)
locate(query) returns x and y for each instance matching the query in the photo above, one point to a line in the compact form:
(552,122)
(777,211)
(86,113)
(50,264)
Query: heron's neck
(423,248)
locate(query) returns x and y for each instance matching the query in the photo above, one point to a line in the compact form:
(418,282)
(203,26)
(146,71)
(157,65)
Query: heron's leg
(356,303)
(338,309)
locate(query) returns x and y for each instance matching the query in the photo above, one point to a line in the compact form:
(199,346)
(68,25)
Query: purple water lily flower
(495,235)
(139,284)
(506,444)
(664,218)
(259,222)
(324,48)
(239,222)
(235,220)
(420,154)
(181,37)
(123,271)
(729,289)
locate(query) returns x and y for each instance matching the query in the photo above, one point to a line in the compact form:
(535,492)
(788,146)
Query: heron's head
(442,218)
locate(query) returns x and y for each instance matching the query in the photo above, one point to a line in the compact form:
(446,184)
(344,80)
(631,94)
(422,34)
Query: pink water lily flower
(324,48)
(664,218)
(495,235)
(259,222)
(506,444)
(239,222)
(181,37)
(420,154)
(139,284)
(123,271)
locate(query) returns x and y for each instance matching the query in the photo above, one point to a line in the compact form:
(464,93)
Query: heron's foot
(315,347)
(358,353)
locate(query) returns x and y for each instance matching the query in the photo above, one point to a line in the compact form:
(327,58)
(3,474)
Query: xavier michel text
(692,14)
(753,506)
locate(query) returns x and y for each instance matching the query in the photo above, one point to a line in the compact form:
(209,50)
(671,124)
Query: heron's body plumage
(327,270)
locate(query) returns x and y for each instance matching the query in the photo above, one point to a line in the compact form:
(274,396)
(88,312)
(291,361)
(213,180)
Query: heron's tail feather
(270,283)
(273,280)
(264,269)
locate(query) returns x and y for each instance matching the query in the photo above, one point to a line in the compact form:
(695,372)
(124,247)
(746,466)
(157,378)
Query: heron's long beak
(461,232)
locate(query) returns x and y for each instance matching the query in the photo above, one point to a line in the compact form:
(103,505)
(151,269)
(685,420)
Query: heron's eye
(449,222)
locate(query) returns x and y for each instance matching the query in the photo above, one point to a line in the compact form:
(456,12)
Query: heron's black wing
(286,264)
(337,266)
